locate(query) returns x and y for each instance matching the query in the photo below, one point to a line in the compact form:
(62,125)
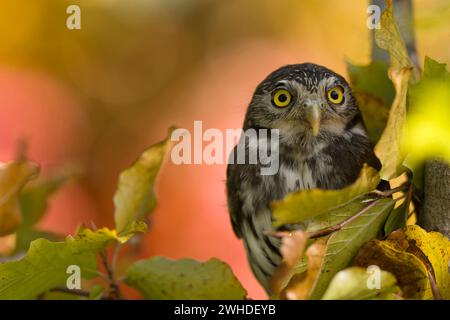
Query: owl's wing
(233,199)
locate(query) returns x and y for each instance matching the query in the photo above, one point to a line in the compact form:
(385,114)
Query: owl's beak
(313,117)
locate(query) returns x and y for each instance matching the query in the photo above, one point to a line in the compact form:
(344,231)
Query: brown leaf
(300,285)
(292,248)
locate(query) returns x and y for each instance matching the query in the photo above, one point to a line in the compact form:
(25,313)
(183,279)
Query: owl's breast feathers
(331,162)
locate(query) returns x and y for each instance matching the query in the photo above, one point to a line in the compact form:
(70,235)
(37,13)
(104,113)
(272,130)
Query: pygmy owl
(322,143)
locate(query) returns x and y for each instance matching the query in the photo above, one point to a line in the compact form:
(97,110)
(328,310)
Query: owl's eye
(336,95)
(281,98)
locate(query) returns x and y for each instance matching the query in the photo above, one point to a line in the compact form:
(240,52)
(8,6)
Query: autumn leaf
(135,196)
(306,204)
(388,148)
(292,248)
(427,131)
(374,112)
(300,286)
(343,245)
(418,259)
(388,37)
(160,278)
(353,283)
(13,177)
(45,264)
(372,80)
(33,205)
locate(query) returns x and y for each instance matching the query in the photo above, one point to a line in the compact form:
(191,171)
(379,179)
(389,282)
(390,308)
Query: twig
(408,199)
(336,227)
(76,292)
(390,192)
(114,290)
(371,203)
(116,250)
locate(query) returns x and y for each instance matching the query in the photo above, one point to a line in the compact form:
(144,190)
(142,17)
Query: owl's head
(302,100)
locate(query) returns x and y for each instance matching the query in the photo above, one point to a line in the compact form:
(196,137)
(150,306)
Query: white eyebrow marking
(285,82)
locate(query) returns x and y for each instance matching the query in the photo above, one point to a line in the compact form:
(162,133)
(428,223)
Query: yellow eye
(336,95)
(282,98)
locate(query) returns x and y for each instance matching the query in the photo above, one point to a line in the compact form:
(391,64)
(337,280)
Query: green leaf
(43,268)
(34,199)
(427,132)
(13,177)
(306,204)
(388,148)
(434,70)
(161,278)
(33,205)
(343,245)
(135,196)
(388,37)
(45,264)
(374,92)
(24,236)
(374,112)
(96,292)
(372,80)
(396,220)
(352,284)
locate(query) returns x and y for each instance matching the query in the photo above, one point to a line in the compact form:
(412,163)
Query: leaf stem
(370,203)
(390,192)
(77,292)
(336,227)
(114,290)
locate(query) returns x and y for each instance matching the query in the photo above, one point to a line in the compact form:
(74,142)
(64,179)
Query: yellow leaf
(388,37)
(437,249)
(306,204)
(135,196)
(427,132)
(13,177)
(388,148)
(416,258)
(353,284)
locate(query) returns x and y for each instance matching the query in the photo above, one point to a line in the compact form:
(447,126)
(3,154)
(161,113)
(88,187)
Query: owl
(322,143)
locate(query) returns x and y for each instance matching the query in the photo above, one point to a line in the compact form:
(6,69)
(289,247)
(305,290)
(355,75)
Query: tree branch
(435,213)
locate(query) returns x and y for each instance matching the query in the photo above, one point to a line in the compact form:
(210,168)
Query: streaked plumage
(322,145)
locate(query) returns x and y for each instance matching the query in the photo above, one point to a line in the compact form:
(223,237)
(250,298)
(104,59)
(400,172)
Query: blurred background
(96,97)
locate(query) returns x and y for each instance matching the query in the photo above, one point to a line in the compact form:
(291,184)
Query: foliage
(351,284)
(160,278)
(307,204)
(345,231)
(135,195)
(418,260)
(355,220)
(427,131)
(13,177)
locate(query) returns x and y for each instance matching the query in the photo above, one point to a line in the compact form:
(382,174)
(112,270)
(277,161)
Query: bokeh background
(96,97)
